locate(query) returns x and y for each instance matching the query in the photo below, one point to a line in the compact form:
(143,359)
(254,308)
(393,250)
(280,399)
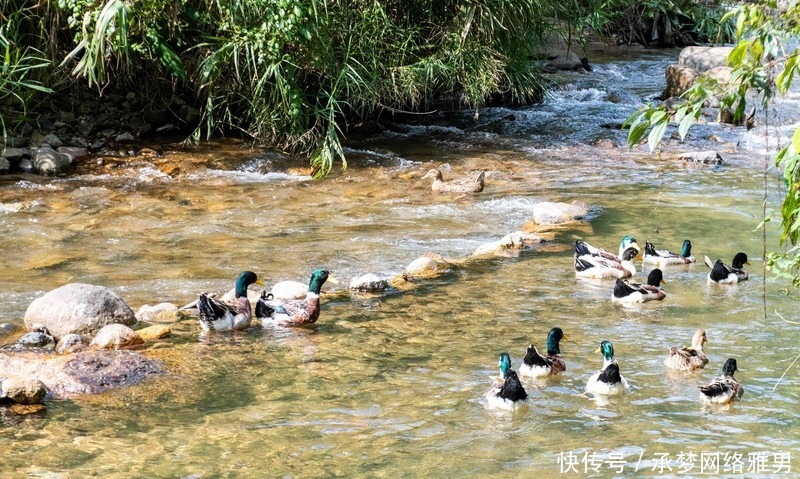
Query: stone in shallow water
(549,213)
(72,343)
(78,308)
(85,372)
(154,332)
(24,389)
(369,282)
(160,313)
(116,336)
(36,339)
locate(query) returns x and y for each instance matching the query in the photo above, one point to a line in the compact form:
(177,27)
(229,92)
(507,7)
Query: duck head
(553,338)
(504,364)
(244,280)
(434,173)
(318,278)
(699,339)
(655,278)
(739,260)
(729,367)
(608,352)
(686,249)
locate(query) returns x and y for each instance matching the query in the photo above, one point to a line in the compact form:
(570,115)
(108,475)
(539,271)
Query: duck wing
(212,310)
(610,375)
(534,359)
(512,388)
(717,387)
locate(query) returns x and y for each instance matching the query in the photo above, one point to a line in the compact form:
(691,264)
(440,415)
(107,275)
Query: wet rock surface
(78,308)
(86,372)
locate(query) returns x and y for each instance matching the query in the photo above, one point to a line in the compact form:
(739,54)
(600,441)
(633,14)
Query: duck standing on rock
(465,185)
(721,273)
(509,394)
(299,312)
(688,359)
(725,389)
(537,366)
(664,257)
(218,316)
(625,292)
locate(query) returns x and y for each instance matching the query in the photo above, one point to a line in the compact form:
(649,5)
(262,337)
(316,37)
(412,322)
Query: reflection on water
(394,384)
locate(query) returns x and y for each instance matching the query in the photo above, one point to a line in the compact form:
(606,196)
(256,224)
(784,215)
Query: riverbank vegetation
(296,74)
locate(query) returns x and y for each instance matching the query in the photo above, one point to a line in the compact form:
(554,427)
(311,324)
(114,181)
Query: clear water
(392,385)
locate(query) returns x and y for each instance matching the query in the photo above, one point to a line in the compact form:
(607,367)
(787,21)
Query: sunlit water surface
(392,385)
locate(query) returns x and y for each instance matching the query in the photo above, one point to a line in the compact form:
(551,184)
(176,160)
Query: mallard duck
(607,381)
(625,292)
(465,185)
(601,264)
(688,359)
(535,365)
(298,312)
(218,316)
(509,394)
(725,389)
(723,274)
(663,257)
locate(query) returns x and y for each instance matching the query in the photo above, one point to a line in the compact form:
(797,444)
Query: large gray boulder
(78,308)
(694,62)
(703,59)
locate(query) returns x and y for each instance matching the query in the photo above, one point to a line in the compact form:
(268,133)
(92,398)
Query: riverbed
(391,385)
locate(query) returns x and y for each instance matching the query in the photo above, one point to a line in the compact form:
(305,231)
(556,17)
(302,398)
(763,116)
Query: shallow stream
(392,385)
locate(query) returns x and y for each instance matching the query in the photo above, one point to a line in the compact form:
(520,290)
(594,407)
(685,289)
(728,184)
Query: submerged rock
(160,313)
(85,372)
(511,243)
(369,282)
(154,332)
(116,336)
(549,213)
(709,157)
(24,389)
(78,308)
(427,265)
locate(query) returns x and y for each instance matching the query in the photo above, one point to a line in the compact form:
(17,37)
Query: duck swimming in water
(721,273)
(688,359)
(608,381)
(509,394)
(298,312)
(218,316)
(626,292)
(536,366)
(665,258)
(725,389)
(465,185)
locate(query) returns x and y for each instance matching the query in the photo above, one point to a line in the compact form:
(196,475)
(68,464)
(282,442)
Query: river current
(392,385)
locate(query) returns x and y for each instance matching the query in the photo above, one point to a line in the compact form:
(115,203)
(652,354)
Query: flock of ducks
(508,391)
(216,315)
(591,262)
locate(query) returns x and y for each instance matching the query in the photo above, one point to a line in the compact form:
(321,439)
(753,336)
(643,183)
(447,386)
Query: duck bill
(332,280)
(260,282)
(597,350)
